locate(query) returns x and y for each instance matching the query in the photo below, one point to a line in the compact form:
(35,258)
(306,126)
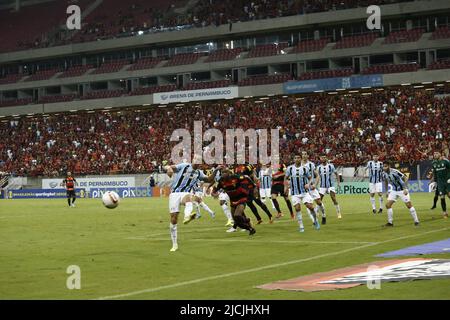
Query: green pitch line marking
(270,266)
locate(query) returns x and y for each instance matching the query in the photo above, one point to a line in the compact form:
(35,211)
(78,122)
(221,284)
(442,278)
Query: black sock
(443,205)
(276,204)
(243,222)
(288,202)
(73,200)
(68,201)
(435,200)
(264,207)
(254,210)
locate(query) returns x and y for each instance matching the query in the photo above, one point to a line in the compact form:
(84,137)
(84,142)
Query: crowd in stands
(115,18)
(398,124)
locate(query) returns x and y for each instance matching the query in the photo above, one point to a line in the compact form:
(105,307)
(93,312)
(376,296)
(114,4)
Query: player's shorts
(223,196)
(175,199)
(323,191)
(394,195)
(277,189)
(265,193)
(199,194)
(314,194)
(432,187)
(70,193)
(301,198)
(376,187)
(443,188)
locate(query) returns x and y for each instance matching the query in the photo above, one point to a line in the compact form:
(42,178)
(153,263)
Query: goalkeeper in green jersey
(441,175)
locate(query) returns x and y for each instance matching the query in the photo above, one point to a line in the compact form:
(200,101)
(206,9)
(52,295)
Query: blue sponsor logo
(333,84)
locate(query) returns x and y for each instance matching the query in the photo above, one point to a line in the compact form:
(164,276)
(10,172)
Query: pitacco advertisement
(363,187)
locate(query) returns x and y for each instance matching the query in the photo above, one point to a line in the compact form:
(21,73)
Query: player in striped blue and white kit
(186,177)
(398,182)
(299,177)
(265,184)
(313,190)
(375,169)
(327,180)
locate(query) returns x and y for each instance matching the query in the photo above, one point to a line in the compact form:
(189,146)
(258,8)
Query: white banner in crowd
(195,95)
(88,183)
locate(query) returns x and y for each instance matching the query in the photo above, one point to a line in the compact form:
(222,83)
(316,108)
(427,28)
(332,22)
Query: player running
(441,175)
(314,193)
(278,189)
(224,201)
(236,188)
(186,177)
(249,170)
(398,181)
(298,177)
(327,179)
(69,183)
(375,168)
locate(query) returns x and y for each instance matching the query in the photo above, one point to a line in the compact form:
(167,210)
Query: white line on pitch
(270,266)
(267,241)
(190,231)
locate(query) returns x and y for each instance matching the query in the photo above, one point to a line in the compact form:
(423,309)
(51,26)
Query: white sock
(173,234)
(381,202)
(197,208)
(300,219)
(205,206)
(338,209)
(372,200)
(322,209)
(310,215)
(316,210)
(390,214)
(413,212)
(273,206)
(313,213)
(227,211)
(188,207)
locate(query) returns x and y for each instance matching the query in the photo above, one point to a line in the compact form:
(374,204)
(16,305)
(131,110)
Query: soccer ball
(110,199)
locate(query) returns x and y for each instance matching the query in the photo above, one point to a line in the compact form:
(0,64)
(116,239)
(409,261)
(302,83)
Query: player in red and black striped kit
(69,182)
(236,186)
(249,170)
(278,189)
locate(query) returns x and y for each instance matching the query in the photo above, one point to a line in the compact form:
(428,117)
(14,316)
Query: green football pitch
(124,253)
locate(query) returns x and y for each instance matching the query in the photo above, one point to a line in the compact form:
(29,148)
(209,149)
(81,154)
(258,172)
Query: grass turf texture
(126,250)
